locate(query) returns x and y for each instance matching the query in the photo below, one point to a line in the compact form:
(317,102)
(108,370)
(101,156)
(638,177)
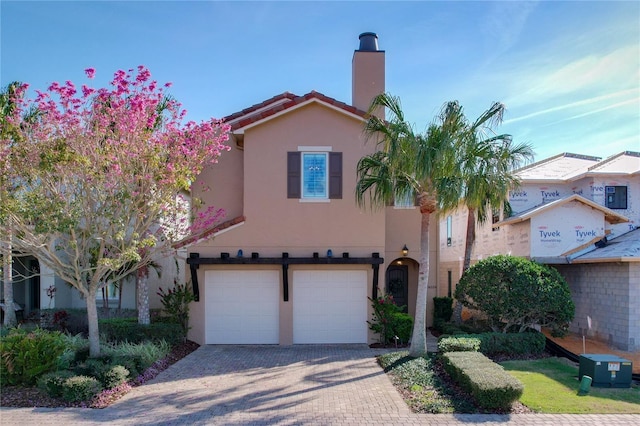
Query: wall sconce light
(240,254)
(405,250)
(329,253)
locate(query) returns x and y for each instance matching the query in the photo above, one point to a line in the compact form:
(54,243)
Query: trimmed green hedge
(116,330)
(494,343)
(459,344)
(489,384)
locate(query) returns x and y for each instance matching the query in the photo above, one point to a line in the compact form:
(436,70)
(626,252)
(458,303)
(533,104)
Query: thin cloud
(582,102)
(608,107)
(602,72)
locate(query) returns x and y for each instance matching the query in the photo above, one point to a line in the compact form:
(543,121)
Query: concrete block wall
(608,293)
(634,306)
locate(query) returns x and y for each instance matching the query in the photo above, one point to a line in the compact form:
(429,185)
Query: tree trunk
(92,319)
(418,346)
(7,268)
(143,296)
(469,241)
(120,285)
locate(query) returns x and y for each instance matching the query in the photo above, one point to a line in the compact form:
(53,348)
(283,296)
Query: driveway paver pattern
(263,385)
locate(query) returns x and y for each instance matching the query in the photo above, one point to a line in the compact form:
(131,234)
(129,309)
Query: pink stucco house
(297,259)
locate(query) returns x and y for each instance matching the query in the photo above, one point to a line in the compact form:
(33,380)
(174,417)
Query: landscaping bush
(176,302)
(117,330)
(442,309)
(389,321)
(402,324)
(76,351)
(52,383)
(530,343)
(93,367)
(114,376)
(474,326)
(80,388)
(26,356)
(489,384)
(459,344)
(133,363)
(516,292)
(143,354)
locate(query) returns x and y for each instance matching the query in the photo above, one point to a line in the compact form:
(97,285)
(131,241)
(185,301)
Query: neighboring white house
(581,215)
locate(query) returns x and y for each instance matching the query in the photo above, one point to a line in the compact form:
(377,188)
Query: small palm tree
(407,163)
(487,163)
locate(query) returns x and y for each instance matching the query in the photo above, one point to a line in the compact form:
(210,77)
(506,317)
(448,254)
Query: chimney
(367,73)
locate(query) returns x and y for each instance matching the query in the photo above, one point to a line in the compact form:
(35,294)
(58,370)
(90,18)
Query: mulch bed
(22,396)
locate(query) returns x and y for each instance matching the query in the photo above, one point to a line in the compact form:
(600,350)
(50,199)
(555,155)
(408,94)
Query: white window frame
(314,150)
(112,292)
(406,202)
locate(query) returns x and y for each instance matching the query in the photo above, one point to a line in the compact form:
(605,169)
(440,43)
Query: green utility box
(609,371)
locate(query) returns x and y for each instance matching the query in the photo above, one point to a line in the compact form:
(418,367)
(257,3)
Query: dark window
(449,283)
(495,218)
(616,197)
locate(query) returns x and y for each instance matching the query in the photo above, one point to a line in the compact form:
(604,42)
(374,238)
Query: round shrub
(132,363)
(80,388)
(114,376)
(516,293)
(52,383)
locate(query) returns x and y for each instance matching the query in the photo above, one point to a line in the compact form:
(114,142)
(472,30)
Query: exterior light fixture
(329,253)
(240,254)
(405,250)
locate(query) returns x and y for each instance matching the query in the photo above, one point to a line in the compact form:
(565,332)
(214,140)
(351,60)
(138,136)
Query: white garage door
(330,307)
(242,307)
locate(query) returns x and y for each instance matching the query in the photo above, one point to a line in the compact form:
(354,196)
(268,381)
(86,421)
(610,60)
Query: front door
(398,284)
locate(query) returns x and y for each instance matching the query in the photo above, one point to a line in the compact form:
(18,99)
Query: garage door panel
(329,307)
(242,307)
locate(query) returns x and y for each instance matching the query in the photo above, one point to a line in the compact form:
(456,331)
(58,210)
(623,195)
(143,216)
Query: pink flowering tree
(96,183)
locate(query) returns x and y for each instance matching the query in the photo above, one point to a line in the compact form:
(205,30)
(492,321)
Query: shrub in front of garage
(389,322)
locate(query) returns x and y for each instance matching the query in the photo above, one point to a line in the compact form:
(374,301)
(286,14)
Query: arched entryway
(401,281)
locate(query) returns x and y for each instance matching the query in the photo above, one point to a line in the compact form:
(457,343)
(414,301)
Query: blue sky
(568,72)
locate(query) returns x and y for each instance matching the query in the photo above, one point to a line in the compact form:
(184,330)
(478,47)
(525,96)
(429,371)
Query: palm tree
(453,162)
(408,163)
(487,175)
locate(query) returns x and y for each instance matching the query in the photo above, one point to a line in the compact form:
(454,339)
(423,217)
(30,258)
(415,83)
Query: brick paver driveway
(231,385)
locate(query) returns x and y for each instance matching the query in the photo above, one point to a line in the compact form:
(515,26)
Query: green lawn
(551,386)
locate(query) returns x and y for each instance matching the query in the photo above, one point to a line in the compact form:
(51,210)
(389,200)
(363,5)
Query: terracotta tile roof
(284,102)
(208,233)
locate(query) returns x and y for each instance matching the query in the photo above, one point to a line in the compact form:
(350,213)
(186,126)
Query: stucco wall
(609,294)
(275,223)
